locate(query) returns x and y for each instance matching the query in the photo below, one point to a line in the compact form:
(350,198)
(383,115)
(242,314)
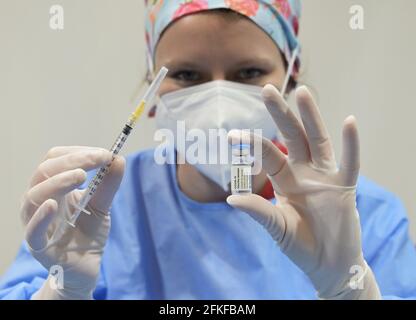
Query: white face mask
(215,105)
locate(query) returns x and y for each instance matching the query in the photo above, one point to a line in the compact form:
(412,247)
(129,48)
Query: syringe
(118,144)
(289,70)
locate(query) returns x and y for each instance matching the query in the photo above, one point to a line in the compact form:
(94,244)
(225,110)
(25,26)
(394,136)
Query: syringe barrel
(98,178)
(121,139)
(151,91)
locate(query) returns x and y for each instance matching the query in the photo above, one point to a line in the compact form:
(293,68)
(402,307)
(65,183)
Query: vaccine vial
(241,169)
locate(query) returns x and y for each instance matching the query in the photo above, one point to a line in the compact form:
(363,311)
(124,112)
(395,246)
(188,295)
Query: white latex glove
(315,221)
(50,200)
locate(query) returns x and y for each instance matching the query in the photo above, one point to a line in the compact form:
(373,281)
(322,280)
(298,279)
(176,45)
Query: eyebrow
(181,64)
(188,64)
(254,61)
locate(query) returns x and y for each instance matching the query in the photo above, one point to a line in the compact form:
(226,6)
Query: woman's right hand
(51,200)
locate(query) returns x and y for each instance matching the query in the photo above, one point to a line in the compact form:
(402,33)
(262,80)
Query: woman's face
(207,46)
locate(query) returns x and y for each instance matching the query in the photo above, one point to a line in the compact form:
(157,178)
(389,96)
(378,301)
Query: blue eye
(250,73)
(186,75)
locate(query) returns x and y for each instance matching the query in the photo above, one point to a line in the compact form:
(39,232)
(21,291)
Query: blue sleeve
(26,275)
(388,247)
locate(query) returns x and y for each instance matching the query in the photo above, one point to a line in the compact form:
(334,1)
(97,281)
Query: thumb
(104,195)
(270,216)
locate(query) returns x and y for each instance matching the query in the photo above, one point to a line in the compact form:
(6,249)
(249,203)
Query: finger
(320,145)
(263,211)
(36,230)
(108,187)
(85,158)
(292,131)
(350,159)
(272,160)
(52,188)
(62,150)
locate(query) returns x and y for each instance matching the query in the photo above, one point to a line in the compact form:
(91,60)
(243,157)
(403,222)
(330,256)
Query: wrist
(51,291)
(360,286)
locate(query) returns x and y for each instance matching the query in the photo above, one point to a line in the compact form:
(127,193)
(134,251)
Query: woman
(176,233)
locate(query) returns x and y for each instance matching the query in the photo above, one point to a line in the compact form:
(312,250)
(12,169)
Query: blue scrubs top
(163,245)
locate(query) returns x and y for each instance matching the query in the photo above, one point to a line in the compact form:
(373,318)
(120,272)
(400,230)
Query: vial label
(240,178)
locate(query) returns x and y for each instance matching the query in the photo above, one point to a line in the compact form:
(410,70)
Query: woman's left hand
(315,221)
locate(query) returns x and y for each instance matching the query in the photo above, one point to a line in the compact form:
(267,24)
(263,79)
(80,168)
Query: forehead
(208,35)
